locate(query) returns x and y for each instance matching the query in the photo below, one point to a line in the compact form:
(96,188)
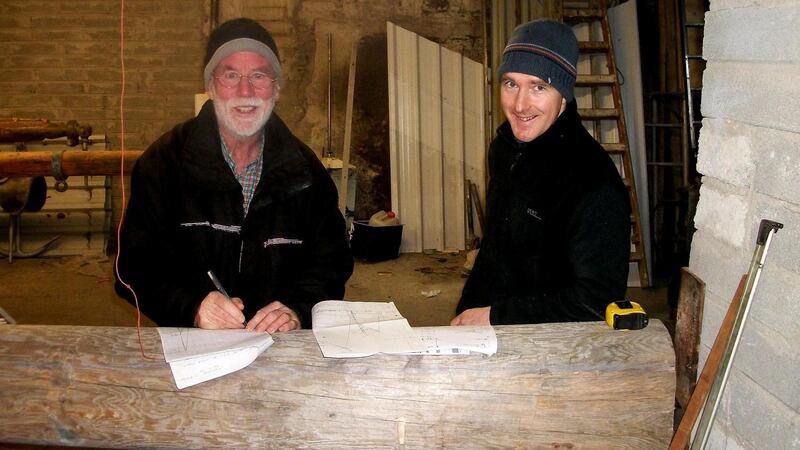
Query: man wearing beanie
(556,246)
(234,193)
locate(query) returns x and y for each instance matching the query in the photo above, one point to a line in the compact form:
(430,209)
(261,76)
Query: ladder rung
(694,57)
(614,147)
(663,125)
(665,164)
(598,113)
(593,46)
(594,80)
(582,15)
(636,256)
(694,24)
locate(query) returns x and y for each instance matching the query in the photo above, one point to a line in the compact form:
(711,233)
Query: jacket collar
(284,172)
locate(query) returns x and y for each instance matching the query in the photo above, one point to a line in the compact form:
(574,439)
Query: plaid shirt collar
(249,177)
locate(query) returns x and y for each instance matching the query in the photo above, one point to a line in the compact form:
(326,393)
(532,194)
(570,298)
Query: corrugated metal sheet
(436,129)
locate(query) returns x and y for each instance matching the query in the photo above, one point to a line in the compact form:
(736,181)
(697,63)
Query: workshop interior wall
(61,61)
(750,160)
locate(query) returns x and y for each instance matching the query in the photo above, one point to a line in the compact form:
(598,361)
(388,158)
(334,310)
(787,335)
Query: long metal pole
(329,150)
(765,231)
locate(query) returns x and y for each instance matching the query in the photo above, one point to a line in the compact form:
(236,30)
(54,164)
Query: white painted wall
(750,161)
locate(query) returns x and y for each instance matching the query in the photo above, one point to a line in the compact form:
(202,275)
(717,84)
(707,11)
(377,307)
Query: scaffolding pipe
(70,163)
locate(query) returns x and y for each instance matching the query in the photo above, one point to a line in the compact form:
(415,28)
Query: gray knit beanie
(240,35)
(545,49)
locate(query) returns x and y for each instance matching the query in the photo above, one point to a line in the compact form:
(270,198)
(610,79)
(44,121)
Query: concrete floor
(79,290)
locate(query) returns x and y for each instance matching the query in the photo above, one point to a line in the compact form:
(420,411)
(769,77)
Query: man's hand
(274,317)
(474,316)
(218,312)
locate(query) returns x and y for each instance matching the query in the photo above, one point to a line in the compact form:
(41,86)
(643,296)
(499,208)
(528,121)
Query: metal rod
(329,149)
(765,231)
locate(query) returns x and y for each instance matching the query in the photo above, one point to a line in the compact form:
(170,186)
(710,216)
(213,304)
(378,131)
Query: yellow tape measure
(626,315)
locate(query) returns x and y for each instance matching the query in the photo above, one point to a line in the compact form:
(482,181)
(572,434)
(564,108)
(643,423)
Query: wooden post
(348,126)
(569,385)
(73,163)
(688,324)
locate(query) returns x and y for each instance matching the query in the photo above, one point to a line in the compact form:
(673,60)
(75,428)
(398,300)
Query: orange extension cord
(122,176)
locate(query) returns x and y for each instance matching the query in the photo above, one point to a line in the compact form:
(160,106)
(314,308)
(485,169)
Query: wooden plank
(348,126)
(430,144)
(576,385)
(394,138)
(453,141)
(688,324)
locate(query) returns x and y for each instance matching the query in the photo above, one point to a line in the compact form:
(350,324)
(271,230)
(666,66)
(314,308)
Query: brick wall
(61,61)
(750,161)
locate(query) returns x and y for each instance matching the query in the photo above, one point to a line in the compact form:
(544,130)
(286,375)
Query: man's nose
(244,88)
(520,103)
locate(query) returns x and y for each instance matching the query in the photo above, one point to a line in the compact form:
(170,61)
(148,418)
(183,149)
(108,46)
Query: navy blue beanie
(545,49)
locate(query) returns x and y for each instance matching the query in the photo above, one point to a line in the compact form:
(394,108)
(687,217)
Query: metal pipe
(765,231)
(329,149)
(72,163)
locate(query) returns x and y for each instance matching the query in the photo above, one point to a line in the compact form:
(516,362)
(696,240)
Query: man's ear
(210,90)
(563,105)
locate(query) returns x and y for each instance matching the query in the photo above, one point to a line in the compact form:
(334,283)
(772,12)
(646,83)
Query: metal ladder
(597,91)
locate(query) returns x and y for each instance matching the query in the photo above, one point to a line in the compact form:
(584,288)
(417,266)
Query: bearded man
(234,193)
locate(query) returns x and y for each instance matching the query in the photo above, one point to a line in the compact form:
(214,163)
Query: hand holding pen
(218,310)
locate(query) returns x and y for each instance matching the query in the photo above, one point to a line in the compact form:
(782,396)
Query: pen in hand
(217,284)
(219,287)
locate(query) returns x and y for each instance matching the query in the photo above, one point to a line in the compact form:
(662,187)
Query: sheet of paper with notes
(356,329)
(196,355)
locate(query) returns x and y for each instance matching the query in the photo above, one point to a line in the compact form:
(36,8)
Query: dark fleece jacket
(186,217)
(557,241)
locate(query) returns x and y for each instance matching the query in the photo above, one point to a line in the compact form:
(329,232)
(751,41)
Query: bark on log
(73,163)
(579,385)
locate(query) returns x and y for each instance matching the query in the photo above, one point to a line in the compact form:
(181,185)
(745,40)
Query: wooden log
(74,163)
(578,385)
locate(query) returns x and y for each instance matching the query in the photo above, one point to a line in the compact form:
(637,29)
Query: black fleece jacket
(557,241)
(185,217)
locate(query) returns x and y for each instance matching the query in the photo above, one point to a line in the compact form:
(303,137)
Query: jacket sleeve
(148,260)
(330,263)
(598,255)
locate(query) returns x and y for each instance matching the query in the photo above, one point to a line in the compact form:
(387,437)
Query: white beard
(239,127)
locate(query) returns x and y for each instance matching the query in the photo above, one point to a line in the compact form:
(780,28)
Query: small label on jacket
(215,226)
(533,213)
(282,241)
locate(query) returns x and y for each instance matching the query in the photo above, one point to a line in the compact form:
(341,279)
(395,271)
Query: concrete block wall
(750,160)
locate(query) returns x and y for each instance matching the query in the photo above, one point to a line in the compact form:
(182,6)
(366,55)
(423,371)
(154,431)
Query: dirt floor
(79,291)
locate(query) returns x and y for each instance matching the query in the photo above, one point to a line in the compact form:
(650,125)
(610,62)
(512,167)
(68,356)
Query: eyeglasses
(259,80)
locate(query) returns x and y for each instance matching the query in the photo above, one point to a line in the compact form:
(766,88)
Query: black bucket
(375,243)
